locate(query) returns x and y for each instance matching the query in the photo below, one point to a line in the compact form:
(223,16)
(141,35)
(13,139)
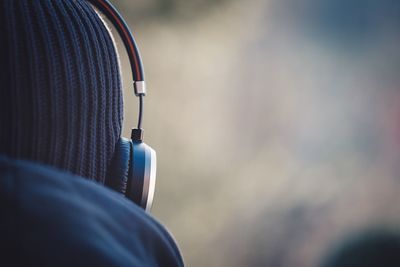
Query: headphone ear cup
(142,175)
(117,174)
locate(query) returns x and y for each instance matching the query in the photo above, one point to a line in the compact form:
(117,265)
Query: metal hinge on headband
(139,87)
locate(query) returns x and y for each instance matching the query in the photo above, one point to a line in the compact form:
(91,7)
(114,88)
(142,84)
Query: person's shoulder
(55,218)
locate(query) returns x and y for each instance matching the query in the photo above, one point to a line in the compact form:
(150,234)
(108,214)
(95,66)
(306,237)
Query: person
(60,119)
(370,248)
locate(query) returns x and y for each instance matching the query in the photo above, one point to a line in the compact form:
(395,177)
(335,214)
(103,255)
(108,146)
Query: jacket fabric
(53,218)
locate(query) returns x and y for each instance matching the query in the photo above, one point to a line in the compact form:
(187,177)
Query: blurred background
(276,123)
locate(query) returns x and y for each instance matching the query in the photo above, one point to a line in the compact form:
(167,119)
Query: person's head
(374,248)
(60,96)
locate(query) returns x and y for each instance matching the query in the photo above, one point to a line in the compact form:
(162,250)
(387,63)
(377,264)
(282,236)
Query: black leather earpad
(117,174)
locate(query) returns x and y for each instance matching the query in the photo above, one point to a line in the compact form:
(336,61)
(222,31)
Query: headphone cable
(137,133)
(139,126)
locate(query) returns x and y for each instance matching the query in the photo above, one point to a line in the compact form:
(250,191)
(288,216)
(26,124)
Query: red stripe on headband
(127,37)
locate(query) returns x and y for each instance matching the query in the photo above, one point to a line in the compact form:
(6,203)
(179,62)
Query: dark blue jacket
(52,218)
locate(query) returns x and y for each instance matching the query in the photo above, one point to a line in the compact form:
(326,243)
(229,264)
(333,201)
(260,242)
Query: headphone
(132,171)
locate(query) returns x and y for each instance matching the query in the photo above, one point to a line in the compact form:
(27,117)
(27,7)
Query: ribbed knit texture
(60,94)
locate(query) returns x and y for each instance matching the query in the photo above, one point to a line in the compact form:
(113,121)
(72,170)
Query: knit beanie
(60,88)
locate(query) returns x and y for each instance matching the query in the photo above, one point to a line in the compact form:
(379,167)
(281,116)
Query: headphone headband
(119,23)
(139,85)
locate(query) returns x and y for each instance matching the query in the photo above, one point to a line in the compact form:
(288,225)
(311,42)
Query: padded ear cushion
(117,173)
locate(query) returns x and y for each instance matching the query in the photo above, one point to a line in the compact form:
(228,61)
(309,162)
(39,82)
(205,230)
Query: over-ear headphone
(132,171)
